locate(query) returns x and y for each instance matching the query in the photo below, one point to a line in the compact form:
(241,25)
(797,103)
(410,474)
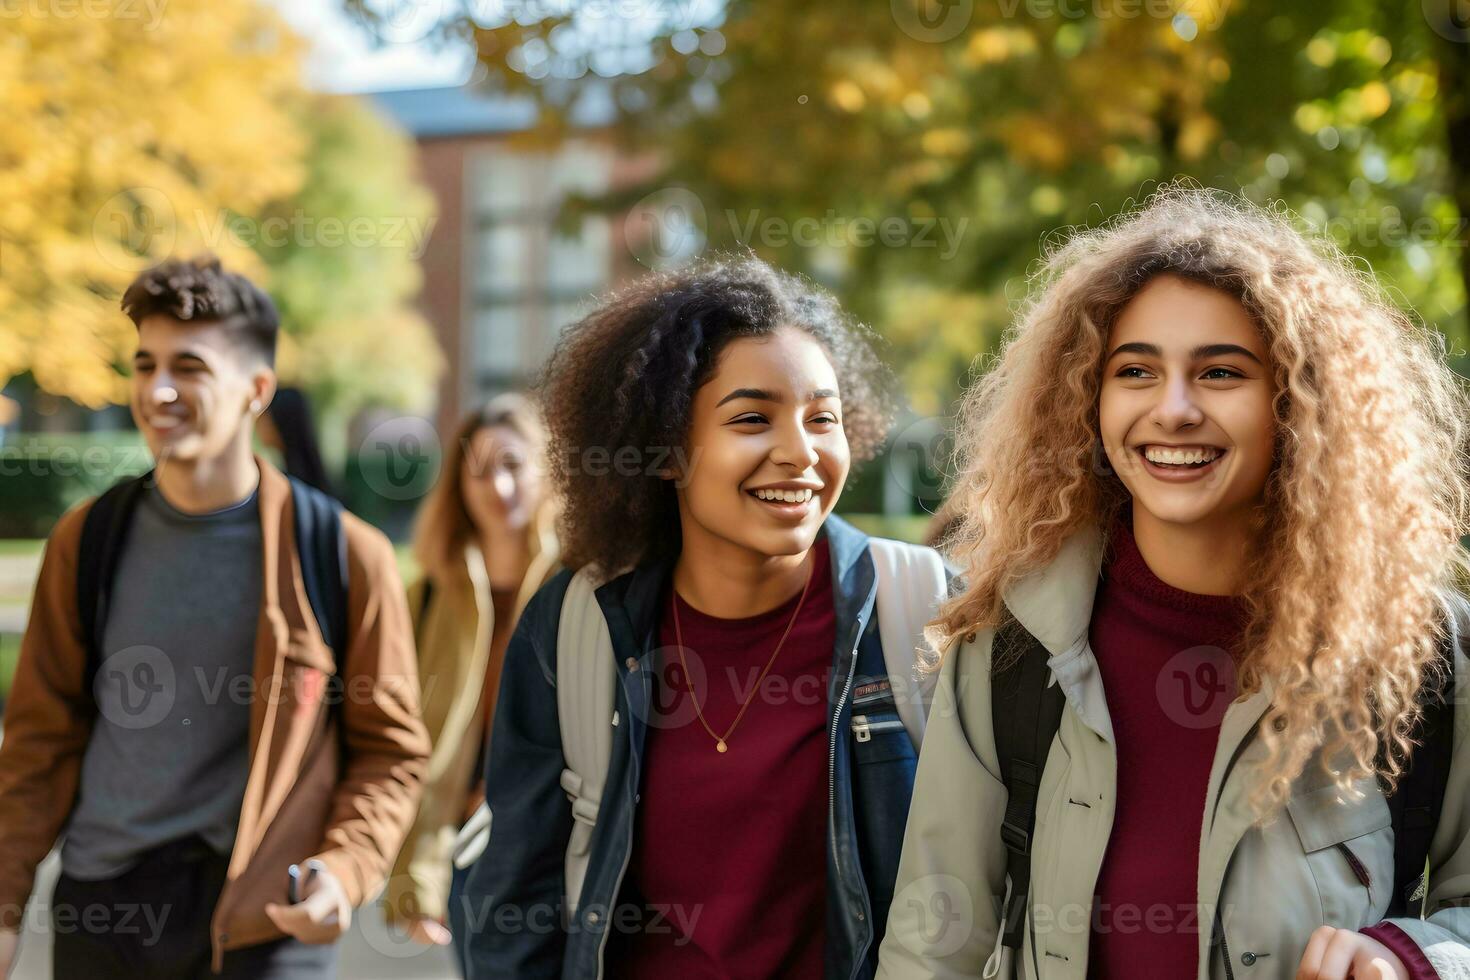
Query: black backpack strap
(104,533)
(1026,713)
(1419,798)
(322,547)
(426,596)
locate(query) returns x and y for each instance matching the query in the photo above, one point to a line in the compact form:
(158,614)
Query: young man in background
(174,714)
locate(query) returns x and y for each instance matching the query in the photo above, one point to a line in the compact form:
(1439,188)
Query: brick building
(500,278)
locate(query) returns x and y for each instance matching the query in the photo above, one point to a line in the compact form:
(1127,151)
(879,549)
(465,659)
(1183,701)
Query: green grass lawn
(15,593)
(9,651)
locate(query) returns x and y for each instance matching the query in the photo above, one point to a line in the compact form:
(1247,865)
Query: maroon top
(729,865)
(1162,654)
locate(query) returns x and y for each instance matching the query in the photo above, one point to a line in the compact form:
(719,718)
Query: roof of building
(470,110)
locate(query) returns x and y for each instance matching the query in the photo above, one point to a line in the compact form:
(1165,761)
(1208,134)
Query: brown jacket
(303,798)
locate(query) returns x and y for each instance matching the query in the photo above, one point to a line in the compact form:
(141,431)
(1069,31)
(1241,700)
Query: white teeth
(785,496)
(165,421)
(1177,457)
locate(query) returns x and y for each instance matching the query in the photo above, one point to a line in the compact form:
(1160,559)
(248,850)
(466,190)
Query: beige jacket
(1272,885)
(454,648)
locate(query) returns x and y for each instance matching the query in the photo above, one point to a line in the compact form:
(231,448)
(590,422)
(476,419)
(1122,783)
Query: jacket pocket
(307,684)
(880,737)
(878,733)
(304,649)
(1348,846)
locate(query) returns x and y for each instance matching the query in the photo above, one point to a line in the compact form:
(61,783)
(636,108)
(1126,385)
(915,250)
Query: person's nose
(1176,407)
(161,391)
(795,448)
(505,485)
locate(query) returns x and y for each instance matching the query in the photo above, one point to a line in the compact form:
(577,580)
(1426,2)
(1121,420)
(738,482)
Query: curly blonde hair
(1358,534)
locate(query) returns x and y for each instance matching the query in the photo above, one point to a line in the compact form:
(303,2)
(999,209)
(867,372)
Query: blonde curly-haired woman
(484,540)
(1212,492)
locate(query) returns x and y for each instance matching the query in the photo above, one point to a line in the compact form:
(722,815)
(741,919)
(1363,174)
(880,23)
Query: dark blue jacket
(513,894)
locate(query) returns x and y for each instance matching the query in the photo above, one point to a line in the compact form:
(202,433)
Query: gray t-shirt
(169,753)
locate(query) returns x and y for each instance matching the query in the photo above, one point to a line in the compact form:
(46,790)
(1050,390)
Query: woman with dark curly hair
(759,720)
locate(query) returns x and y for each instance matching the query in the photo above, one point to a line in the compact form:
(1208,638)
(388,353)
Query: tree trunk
(1454,90)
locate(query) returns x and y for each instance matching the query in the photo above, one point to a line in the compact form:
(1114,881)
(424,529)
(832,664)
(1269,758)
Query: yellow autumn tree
(128,138)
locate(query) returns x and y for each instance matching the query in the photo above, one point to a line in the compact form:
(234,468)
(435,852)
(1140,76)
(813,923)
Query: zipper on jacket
(627,854)
(832,745)
(858,631)
(1224,946)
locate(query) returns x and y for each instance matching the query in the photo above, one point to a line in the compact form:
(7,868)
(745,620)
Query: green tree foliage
(342,256)
(976,130)
(135,132)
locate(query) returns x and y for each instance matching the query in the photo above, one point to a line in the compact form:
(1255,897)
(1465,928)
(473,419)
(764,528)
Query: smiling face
(500,480)
(1185,409)
(193,384)
(768,456)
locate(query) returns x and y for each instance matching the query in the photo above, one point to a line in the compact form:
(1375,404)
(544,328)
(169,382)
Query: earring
(255,406)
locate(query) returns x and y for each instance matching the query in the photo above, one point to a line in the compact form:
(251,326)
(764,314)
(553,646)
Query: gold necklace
(722,742)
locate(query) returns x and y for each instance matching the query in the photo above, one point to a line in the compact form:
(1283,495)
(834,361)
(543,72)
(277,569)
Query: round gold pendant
(720,746)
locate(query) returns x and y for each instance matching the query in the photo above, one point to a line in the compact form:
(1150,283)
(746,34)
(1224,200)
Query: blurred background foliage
(1007,121)
(130,139)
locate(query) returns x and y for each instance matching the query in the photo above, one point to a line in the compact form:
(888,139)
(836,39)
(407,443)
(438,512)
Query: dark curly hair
(200,290)
(620,384)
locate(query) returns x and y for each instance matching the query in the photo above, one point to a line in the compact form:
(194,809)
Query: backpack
(321,545)
(1027,711)
(911,582)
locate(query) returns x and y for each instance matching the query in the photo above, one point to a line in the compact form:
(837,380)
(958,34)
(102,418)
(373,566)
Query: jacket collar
(854,579)
(273,499)
(640,591)
(1054,603)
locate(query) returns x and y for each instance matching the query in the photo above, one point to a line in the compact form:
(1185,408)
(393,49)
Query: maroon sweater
(1162,654)
(729,862)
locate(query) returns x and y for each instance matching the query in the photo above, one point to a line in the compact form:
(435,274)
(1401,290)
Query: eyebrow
(1199,353)
(187,355)
(761,395)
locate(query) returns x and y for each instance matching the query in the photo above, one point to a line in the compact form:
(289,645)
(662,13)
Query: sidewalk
(369,951)
(17,580)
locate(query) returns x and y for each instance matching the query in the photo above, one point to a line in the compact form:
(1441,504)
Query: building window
(528,276)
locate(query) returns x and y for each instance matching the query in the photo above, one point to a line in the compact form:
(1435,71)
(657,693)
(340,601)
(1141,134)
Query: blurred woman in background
(485,543)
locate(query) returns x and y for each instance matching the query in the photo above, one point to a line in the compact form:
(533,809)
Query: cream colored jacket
(1272,885)
(453,636)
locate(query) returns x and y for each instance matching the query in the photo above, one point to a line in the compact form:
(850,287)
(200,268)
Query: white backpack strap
(585,680)
(911,586)
(472,838)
